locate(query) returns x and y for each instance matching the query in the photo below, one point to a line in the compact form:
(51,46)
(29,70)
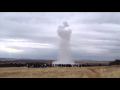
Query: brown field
(61,72)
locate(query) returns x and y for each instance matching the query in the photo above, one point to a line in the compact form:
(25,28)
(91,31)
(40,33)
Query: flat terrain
(61,72)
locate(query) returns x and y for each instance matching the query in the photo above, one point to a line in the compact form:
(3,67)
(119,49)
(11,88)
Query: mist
(64,54)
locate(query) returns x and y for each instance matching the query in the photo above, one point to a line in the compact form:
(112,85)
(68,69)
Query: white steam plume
(64,56)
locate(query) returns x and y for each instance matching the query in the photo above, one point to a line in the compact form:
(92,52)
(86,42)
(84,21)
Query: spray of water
(64,56)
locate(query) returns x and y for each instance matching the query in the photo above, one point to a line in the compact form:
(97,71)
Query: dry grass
(61,72)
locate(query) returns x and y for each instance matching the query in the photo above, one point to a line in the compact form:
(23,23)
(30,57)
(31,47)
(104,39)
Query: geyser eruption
(64,56)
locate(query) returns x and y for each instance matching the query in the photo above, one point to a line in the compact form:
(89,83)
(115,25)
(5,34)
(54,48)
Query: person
(45,65)
(28,65)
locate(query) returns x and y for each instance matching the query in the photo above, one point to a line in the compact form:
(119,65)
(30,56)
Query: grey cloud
(98,30)
(28,53)
(98,17)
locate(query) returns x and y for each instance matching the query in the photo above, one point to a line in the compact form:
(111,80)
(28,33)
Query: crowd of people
(36,65)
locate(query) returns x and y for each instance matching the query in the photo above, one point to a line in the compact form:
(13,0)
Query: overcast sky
(95,35)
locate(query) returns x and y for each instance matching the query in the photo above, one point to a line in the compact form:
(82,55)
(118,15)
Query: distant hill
(42,60)
(16,59)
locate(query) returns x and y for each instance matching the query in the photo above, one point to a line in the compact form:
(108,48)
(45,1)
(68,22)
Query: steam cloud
(64,56)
